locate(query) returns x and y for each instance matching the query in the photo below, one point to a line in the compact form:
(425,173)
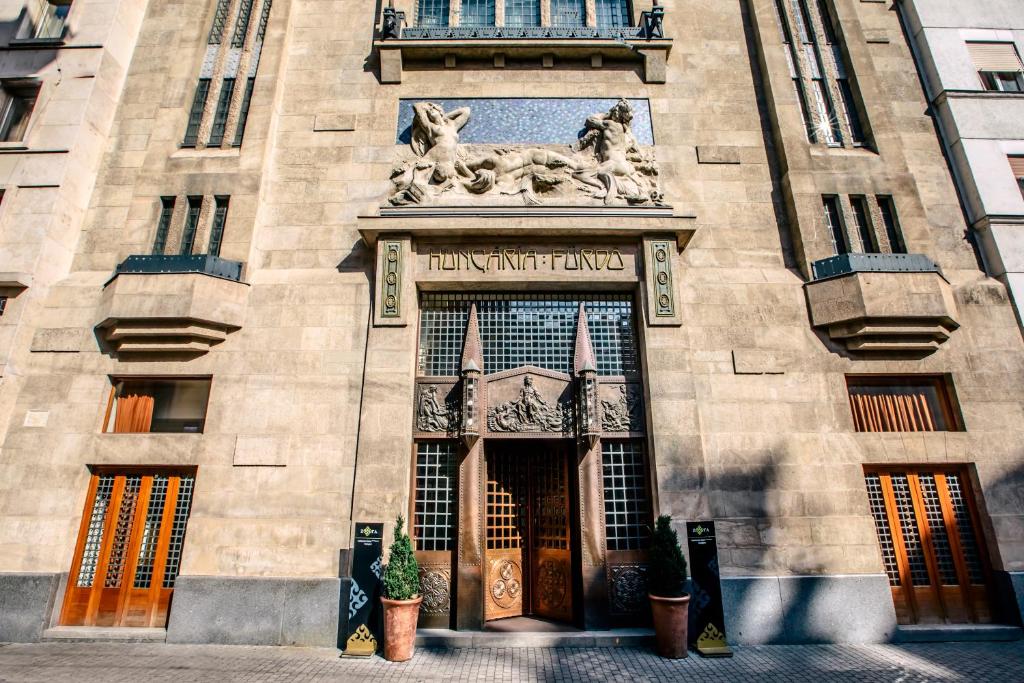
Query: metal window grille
(195,116)
(506,504)
(550,520)
(965,528)
(242,23)
(261,30)
(612,13)
(477,13)
(243,112)
(220,117)
(188,236)
(568,13)
(164,226)
(432,13)
(525,329)
(522,12)
(123,532)
(876,499)
(937,528)
(151,532)
(181,512)
(627,512)
(435,495)
(892,226)
(220,216)
(220,17)
(94,535)
(834,225)
(868,243)
(909,530)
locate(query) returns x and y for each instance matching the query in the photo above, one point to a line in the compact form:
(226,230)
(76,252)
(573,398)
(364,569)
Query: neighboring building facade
(529,273)
(969,55)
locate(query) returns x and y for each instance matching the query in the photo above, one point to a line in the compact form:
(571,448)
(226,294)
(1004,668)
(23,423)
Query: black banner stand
(364,627)
(707,618)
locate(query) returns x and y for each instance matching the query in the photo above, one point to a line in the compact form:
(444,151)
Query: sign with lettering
(364,628)
(707,620)
(498,260)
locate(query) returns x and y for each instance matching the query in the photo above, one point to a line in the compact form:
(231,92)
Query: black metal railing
(844,264)
(206,264)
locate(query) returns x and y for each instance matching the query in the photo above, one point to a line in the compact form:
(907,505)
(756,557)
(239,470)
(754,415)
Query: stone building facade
(529,274)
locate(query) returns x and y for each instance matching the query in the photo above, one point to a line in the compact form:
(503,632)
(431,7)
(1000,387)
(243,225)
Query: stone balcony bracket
(882,303)
(172,304)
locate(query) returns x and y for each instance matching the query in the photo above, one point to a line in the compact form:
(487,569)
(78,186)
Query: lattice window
(627,510)
(937,529)
(568,13)
(612,13)
(965,528)
(550,516)
(151,532)
(177,541)
(876,499)
(431,13)
(522,12)
(94,534)
(435,495)
(506,504)
(477,13)
(123,532)
(909,530)
(517,330)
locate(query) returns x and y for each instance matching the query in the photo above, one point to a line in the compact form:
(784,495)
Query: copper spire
(472,351)
(584,357)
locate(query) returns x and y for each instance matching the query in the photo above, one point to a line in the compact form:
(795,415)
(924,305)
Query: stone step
(950,633)
(102,634)
(620,637)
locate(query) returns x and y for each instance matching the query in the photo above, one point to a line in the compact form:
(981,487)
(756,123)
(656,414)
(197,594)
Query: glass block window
(937,528)
(877,501)
(522,12)
(432,12)
(151,532)
(627,511)
(94,533)
(123,531)
(568,13)
(177,540)
(477,13)
(527,329)
(612,13)
(909,529)
(434,514)
(965,527)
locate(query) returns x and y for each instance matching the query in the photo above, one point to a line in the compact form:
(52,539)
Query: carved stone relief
(437,409)
(623,412)
(530,412)
(605,166)
(507,586)
(628,588)
(435,587)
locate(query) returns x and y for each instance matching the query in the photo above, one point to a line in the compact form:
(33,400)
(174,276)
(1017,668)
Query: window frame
(107,426)
(949,404)
(12,91)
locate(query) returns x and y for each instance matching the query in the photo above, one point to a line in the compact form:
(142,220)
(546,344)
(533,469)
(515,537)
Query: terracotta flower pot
(670,617)
(400,618)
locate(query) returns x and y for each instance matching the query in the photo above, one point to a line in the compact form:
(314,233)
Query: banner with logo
(364,610)
(707,619)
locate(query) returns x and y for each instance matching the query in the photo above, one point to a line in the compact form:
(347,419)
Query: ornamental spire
(472,351)
(584,359)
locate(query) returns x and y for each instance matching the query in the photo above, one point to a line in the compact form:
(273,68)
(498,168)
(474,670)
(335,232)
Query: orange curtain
(134,413)
(892,412)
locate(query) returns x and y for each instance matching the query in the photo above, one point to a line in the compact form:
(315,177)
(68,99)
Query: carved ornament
(624,413)
(528,413)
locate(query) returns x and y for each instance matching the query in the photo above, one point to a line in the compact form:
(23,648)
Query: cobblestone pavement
(86,662)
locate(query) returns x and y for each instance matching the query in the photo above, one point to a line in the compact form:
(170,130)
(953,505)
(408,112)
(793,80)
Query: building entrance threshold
(619,637)
(98,634)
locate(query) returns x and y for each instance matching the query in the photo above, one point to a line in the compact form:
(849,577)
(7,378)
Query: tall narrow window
(434,515)
(220,217)
(195,116)
(188,236)
(220,117)
(432,13)
(834,225)
(612,13)
(158,405)
(46,21)
(627,511)
(826,123)
(887,207)
(164,226)
(16,110)
(477,13)
(884,403)
(1017,168)
(999,66)
(220,19)
(522,12)
(792,59)
(242,24)
(842,81)
(568,13)
(865,231)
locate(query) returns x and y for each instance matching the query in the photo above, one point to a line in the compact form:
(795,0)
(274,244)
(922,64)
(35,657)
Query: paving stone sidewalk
(87,662)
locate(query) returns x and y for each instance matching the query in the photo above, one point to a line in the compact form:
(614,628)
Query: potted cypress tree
(666,583)
(401,597)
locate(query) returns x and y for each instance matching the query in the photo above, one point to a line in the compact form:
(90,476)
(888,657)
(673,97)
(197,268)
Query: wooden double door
(932,547)
(528,519)
(129,549)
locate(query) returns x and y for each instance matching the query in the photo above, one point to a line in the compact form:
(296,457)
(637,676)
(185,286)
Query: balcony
(448,45)
(172,304)
(882,303)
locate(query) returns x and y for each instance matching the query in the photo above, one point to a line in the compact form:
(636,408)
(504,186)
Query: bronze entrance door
(528,553)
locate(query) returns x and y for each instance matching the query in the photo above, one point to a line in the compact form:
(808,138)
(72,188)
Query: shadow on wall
(1002,511)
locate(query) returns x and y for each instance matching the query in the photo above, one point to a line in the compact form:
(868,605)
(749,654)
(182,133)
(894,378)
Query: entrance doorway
(528,556)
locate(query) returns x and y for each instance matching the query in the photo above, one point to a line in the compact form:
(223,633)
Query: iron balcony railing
(206,264)
(844,264)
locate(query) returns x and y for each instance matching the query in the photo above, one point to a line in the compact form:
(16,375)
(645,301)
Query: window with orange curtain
(887,403)
(158,405)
